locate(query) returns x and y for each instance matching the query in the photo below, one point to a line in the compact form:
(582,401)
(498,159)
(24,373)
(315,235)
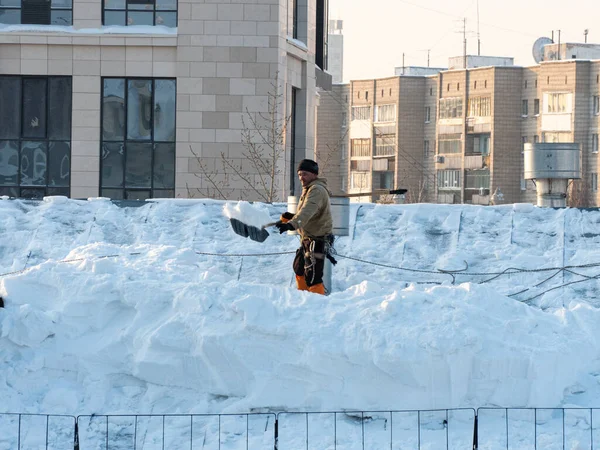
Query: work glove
(283,227)
(286,216)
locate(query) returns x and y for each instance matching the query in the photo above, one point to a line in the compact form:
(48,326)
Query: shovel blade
(245,230)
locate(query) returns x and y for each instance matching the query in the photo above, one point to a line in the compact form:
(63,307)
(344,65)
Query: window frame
(594,142)
(47,140)
(125,140)
(126,10)
(51,10)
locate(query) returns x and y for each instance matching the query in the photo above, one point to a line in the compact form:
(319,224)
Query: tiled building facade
(458,136)
(132,99)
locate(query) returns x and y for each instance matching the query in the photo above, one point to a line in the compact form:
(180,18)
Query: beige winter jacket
(313,217)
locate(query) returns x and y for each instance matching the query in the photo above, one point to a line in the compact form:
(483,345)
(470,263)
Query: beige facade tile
(10,51)
(239,120)
(267,28)
(82,184)
(33,39)
(164,69)
(164,54)
(137,53)
(60,40)
(215,86)
(216,54)
(257,41)
(86,53)
(87,11)
(229,70)
(230,12)
(244,28)
(60,52)
(82,67)
(202,102)
(229,103)
(138,68)
(183,69)
(165,41)
(255,103)
(203,69)
(201,135)
(203,41)
(256,70)
(228,135)
(112,68)
(183,102)
(190,27)
(138,41)
(230,41)
(86,84)
(85,148)
(189,119)
(204,11)
(257,12)
(269,55)
(188,150)
(217,27)
(85,164)
(60,67)
(112,53)
(34,51)
(34,67)
(217,120)
(10,66)
(86,40)
(9,39)
(86,133)
(85,102)
(242,54)
(189,86)
(181,165)
(182,135)
(112,41)
(190,54)
(242,86)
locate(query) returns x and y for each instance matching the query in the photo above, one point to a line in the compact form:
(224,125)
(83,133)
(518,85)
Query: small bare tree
(263,138)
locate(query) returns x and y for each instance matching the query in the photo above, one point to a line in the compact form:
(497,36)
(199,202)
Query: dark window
(35,136)
(36,12)
(140,12)
(138,138)
(293,161)
(321,34)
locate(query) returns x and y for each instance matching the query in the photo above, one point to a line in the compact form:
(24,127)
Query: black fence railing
(444,429)
(373,430)
(177,432)
(37,431)
(538,428)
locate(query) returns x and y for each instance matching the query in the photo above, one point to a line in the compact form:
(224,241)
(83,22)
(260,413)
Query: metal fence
(444,429)
(538,428)
(37,432)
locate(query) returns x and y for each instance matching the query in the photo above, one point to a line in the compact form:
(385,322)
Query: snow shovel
(255,233)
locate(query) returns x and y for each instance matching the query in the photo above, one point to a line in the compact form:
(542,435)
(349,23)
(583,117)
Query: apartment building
(458,136)
(137,99)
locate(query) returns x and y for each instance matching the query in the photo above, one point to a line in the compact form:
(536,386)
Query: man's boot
(317,289)
(301,283)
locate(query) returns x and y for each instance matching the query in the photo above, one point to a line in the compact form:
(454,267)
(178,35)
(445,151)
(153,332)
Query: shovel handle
(266,225)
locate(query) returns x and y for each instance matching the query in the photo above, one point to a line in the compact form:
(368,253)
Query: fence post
(276,432)
(76,437)
(475,437)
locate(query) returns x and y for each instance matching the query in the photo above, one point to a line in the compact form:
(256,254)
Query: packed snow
(160,308)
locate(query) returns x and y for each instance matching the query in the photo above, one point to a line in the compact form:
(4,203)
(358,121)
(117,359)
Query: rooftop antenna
(585,33)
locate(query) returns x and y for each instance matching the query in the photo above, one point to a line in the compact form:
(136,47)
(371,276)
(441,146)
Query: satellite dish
(538,48)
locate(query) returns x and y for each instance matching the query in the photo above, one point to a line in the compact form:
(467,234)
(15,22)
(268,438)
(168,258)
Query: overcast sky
(378,32)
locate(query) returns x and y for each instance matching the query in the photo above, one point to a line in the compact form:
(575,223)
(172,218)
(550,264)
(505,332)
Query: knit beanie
(308,165)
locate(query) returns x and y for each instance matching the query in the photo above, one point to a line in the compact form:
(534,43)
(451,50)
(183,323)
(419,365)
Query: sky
(163,309)
(378,32)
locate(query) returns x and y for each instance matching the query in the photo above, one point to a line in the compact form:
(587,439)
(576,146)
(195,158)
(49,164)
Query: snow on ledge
(112,29)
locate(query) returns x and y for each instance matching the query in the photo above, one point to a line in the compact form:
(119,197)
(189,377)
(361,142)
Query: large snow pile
(114,309)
